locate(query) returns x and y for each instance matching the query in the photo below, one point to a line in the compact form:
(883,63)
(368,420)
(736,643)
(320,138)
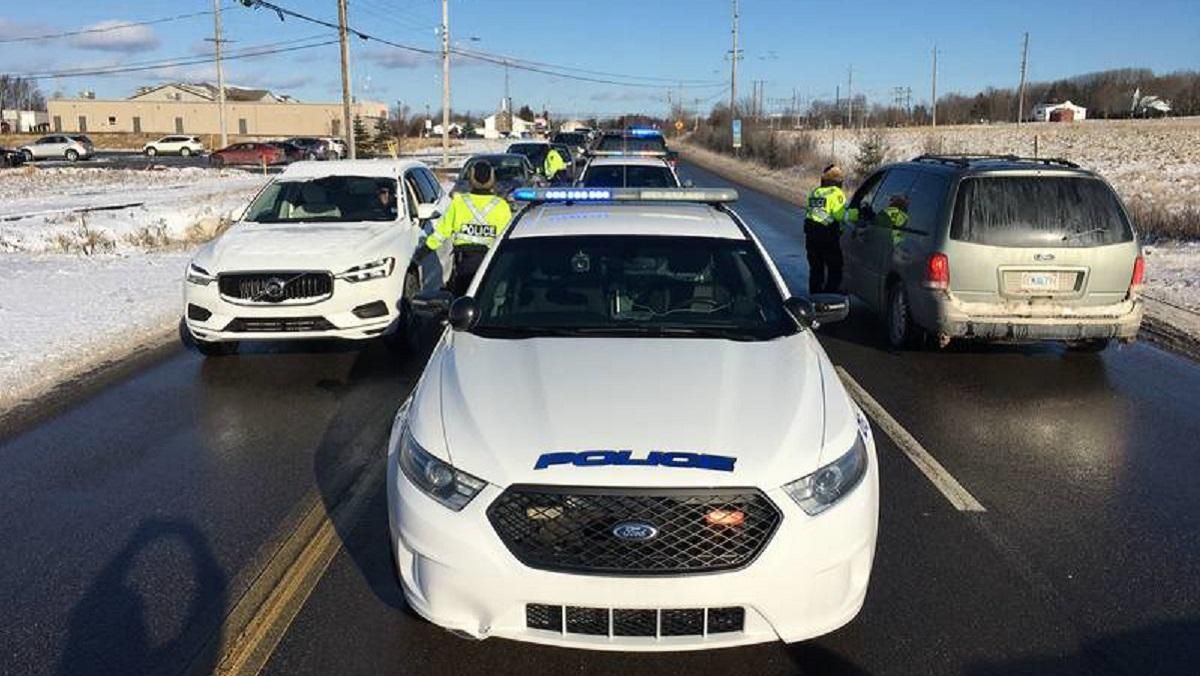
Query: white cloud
(125,39)
(625,96)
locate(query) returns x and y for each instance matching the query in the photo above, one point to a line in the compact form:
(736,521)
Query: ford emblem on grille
(636,531)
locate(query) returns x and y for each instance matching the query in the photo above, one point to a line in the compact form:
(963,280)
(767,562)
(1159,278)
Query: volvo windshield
(641,286)
(330,199)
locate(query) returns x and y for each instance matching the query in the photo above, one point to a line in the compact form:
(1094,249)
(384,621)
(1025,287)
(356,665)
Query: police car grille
(572,529)
(296,286)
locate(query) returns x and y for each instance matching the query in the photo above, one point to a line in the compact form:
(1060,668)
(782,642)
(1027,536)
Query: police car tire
(902,332)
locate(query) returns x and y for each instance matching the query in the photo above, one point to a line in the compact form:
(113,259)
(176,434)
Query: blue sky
(790,44)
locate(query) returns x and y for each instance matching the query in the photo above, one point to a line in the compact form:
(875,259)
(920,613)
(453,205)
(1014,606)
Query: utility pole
(696,123)
(344,39)
(445,82)
(1021,95)
(217,40)
(850,99)
(733,59)
(933,98)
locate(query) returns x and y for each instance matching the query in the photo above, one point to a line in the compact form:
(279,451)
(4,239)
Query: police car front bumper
(810,579)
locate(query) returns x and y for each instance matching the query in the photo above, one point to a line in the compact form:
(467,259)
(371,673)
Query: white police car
(630,439)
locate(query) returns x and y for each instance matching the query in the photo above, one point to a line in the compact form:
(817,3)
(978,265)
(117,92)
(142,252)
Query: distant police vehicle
(630,439)
(324,251)
(628,172)
(634,141)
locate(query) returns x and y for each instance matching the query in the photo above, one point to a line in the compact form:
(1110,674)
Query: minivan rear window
(1038,211)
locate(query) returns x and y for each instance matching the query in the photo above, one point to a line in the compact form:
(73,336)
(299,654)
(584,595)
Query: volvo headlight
(198,275)
(439,480)
(367,271)
(820,490)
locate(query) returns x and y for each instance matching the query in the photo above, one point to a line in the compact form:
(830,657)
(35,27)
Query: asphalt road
(140,513)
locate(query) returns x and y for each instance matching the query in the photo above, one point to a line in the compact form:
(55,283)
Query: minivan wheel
(901,330)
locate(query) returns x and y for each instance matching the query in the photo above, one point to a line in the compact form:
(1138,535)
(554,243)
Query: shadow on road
(111,629)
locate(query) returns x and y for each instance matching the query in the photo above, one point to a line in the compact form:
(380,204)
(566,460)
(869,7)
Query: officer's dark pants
(466,259)
(824,257)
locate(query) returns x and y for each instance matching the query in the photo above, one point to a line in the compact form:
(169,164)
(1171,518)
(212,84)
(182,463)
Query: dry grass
(82,239)
(1155,223)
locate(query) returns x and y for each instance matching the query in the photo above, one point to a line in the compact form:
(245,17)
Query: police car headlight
(439,480)
(198,275)
(823,488)
(368,271)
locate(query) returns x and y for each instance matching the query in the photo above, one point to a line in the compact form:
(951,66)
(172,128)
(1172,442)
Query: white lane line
(941,479)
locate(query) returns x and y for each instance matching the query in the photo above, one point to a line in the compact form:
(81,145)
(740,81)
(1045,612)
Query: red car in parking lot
(253,153)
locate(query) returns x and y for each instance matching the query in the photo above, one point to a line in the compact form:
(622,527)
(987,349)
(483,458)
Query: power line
(103,29)
(117,70)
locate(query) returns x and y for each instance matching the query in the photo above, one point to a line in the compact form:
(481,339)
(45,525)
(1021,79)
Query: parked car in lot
(248,153)
(324,251)
(314,148)
(337,147)
(11,158)
(632,426)
(512,171)
(184,146)
(628,172)
(291,151)
(59,146)
(994,248)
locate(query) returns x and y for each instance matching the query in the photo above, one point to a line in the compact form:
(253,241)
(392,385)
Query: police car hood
(594,411)
(297,246)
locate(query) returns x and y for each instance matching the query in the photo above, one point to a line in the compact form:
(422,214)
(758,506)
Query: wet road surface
(137,516)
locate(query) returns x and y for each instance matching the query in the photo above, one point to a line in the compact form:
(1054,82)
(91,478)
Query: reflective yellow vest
(471,219)
(826,205)
(553,164)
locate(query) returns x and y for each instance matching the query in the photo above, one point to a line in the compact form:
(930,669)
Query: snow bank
(64,314)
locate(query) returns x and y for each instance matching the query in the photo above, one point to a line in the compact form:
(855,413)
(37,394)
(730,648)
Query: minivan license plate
(1039,281)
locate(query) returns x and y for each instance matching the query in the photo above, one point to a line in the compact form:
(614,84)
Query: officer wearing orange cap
(822,231)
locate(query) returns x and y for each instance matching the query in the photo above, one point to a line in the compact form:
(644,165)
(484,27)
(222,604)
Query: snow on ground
(67,210)
(63,314)
(1173,273)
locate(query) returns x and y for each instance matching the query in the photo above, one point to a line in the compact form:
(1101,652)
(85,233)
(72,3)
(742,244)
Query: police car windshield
(645,286)
(330,199)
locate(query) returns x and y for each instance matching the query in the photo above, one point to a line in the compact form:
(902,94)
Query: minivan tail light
(937,272)
(1139,275)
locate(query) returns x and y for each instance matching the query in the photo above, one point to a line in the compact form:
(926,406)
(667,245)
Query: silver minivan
(994,248)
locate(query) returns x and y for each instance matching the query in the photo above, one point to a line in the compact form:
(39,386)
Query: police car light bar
(643,133)
(704,195)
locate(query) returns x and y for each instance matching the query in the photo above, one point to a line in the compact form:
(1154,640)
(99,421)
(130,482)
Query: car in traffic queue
(326,250)
(628,172)
(629,438)
(634,141)
(536,151)
(577,141)
(59,146)
(512,171)
(994,248)
(184,146)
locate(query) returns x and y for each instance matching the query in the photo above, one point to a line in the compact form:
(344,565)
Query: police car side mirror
(687,183)
(801,309)
(463,313)
(432,305)
(427,212)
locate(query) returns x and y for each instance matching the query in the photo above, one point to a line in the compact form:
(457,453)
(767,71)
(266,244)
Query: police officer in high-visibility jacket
(822,231)
(553,164)
(472,223)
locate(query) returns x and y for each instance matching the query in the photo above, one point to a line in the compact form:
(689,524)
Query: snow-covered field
(91,261)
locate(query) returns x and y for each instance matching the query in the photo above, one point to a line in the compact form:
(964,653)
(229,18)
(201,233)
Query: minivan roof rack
(965,159)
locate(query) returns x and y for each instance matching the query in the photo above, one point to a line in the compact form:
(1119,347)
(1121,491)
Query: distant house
(24,121)
(1058,112)
(519,126)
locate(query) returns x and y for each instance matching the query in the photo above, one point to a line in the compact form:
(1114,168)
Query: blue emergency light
(644,133)
(704,195)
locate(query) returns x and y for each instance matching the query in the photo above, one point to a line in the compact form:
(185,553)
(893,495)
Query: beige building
(192,109)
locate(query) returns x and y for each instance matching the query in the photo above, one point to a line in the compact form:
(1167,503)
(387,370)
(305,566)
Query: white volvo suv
(630,439)
(323,251)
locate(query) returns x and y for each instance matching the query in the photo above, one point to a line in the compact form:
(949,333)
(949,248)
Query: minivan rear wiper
(1073,235)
